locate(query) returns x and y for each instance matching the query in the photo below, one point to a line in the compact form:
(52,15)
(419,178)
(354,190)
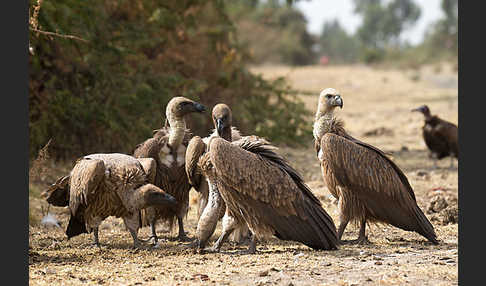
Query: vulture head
(329,99)
(180,106)
(58,193)
(222,120)
(424,109)
(152,195)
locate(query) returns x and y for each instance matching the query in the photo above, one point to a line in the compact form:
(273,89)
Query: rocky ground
(377,106)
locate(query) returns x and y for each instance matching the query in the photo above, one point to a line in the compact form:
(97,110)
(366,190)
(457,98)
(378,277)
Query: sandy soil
(377,106)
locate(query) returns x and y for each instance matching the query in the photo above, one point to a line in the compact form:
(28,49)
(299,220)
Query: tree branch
(59,35)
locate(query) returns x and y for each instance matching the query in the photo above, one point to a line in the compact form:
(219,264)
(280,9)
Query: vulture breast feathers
(269,194)
(358,170)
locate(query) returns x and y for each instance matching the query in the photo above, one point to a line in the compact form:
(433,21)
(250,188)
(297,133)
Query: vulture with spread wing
(369,186)
(102,185)
(440,136)
(211,206)
(260,188)
(168,148)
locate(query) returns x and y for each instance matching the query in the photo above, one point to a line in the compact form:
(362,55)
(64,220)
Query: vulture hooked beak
(419,109)
(219,126)
(199,107)
(338,101)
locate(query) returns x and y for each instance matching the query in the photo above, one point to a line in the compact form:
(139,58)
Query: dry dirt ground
(377,106)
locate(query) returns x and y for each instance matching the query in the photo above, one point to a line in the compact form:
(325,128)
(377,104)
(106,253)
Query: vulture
(439,135)
(211,206)
(168,148)
(369,186)
(107,184)
(260,188)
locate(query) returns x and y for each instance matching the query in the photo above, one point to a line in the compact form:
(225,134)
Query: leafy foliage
(273,32)
(107,93)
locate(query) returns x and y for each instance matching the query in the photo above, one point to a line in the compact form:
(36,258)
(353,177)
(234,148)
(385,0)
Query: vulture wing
(85,179)
(271,196)
(195,149)
(365,171)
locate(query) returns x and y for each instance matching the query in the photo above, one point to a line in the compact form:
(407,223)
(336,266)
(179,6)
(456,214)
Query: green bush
(108,92)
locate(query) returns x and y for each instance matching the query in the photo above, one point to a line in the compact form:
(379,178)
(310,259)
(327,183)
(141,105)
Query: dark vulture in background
(369,186)
(259,187)
(102,185)
(211,206)
(168,148)
(440,136)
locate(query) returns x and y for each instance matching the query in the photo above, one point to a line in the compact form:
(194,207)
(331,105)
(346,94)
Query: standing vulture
(370,186)
(260,188)
(439,135)
(211,206)
(102,185)
(168,148)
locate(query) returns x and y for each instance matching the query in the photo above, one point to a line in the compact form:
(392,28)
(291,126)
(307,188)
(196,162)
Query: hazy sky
(319,11)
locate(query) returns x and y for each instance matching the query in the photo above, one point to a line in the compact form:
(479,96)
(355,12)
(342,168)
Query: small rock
(378,263)
(263,273)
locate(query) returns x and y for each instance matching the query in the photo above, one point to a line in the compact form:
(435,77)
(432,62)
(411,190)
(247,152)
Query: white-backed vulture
(211,206)
(168,148)
(102,185)
(440,136)
(262,189)
(370,187)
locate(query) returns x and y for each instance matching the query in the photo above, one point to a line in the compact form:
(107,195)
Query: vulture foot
(360,241)
(184,238)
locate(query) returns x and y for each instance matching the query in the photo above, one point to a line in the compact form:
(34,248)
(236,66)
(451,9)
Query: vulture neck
(323,123)
(226,134)
(177,130)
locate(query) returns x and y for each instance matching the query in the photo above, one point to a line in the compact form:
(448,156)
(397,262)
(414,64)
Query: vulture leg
(209,217)
(154,233)
(252,246)
(182,234)
(132,223)
(342,226)
(344,220)
(229,224)
(96,238)
(362,238)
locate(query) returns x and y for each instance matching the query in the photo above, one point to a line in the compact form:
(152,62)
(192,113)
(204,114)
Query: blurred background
(101,72)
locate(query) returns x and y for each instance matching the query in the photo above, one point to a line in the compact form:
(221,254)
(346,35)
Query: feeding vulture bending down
(168,148)
(439,135)
(211,206)
(102,185)
(262,189)
(368,185)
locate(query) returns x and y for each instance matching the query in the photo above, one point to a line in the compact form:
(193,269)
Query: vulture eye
(328,96)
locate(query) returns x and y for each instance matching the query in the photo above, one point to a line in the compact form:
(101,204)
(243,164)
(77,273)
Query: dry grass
(377,106)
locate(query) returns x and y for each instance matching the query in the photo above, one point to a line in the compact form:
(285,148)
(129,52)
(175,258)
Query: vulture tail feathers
(424,227)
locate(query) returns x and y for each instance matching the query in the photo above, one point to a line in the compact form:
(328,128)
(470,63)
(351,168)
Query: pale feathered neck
(176,131)
(325,123)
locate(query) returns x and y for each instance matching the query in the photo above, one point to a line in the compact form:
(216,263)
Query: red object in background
(324,60)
